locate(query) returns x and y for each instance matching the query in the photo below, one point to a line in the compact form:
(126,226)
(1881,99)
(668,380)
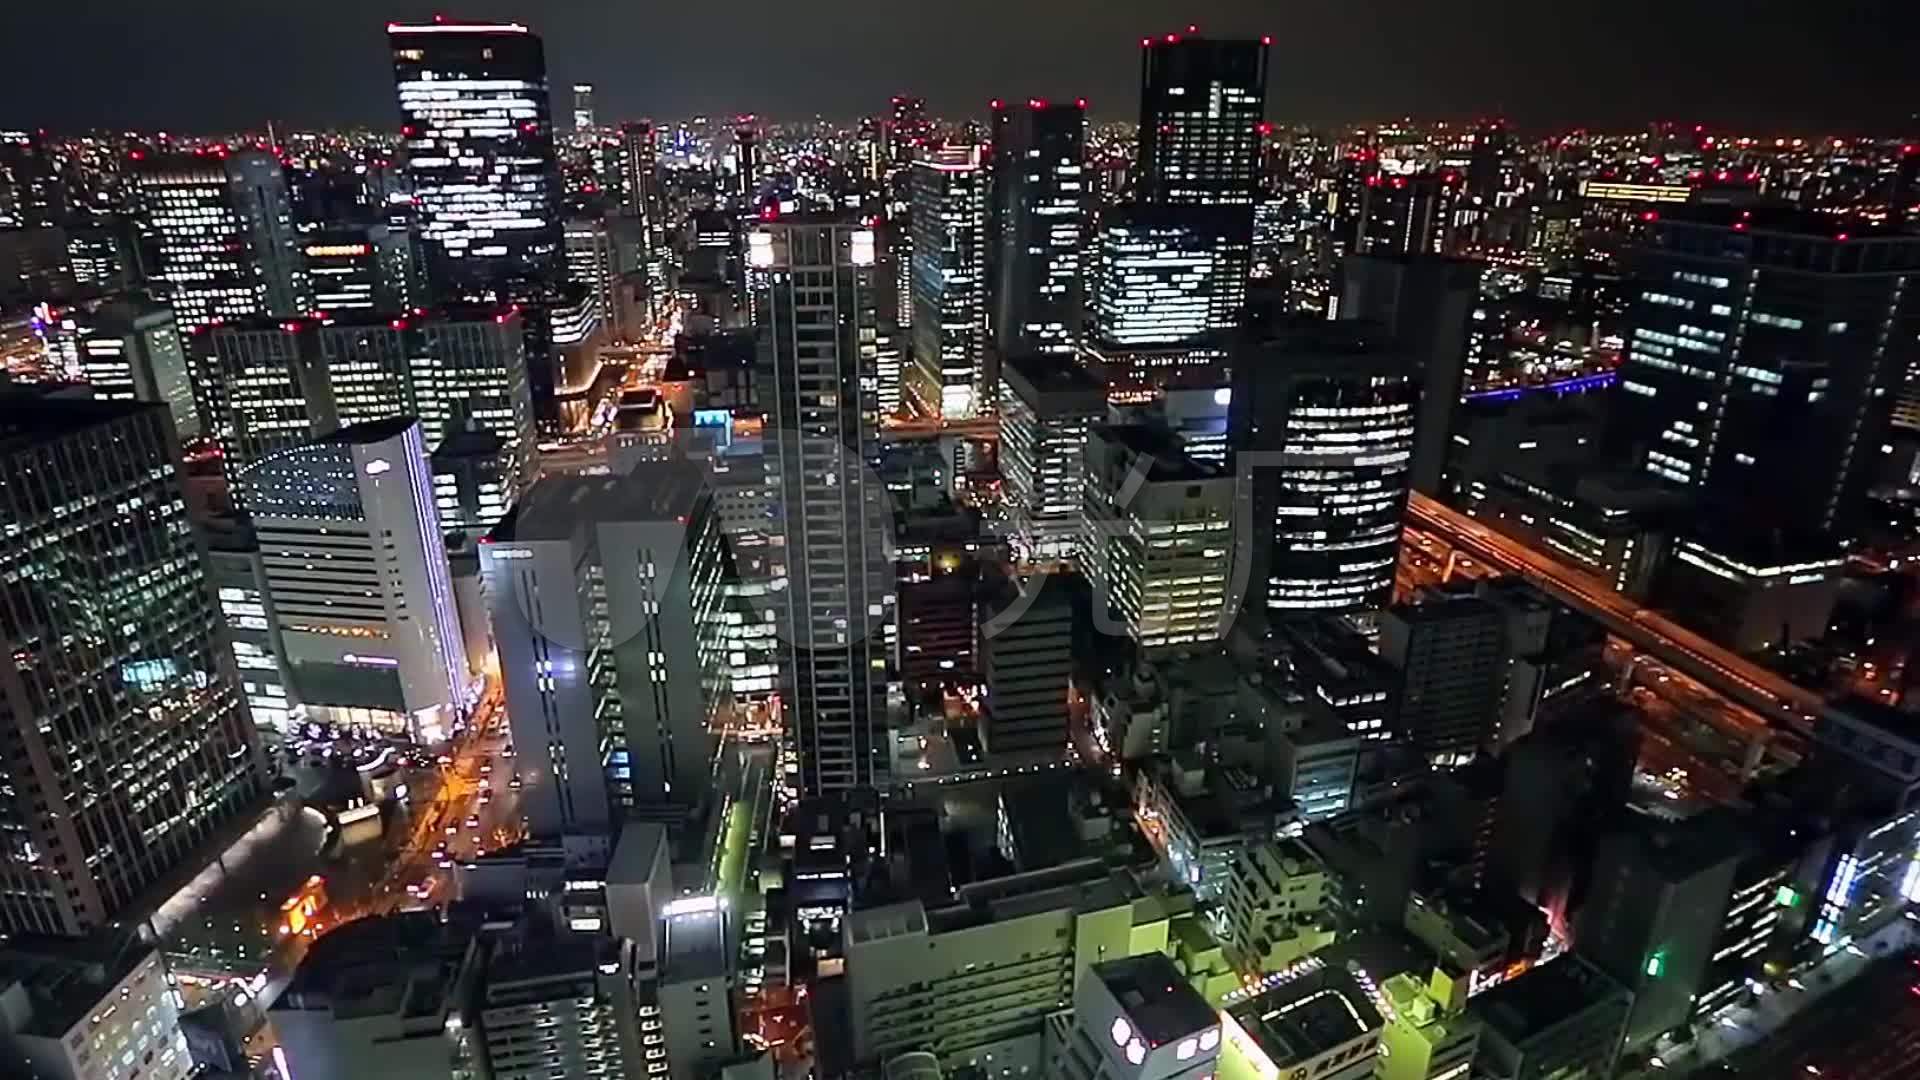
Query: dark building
(1396,214)
(1038,233)
(1564,782)
(1202,114)
(357,268)
(1026,662)
(1750,323)
(1451,653)
(1426,303)
(1321,433)
(1560,1021)
(1660,890)
(128,741)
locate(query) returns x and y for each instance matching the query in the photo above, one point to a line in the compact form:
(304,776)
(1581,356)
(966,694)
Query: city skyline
(1331,65)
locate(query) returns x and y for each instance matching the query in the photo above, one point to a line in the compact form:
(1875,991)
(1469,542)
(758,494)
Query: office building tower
(1425,303)
(746,159)
(358,268)
(475,478)
(99,256)
(606,597)
(818,296)
(1747,323)
(265,385)
(1202,115)
(1309,1019)
(1397,214)
(1047,404)
(1041,202)
(30,189)
(90,1011)
(479,141)
(583,115)
(1491,164)
(890,349)
(219,237)
(909,131)
(1451,652)
(694,986)
(1561,1021)
(1321,436)
(238,575)
(357,573)
(478,134)
(1133,1019)
(1157,541)
(130,349)
(914,972)
(1167,292)
(1026,662)
(592,263)
(130,743)
(948,379)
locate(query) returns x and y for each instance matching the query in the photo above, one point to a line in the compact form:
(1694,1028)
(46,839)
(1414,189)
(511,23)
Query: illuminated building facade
(218,227)
(1321,431)
(1041,200)
(1162,280)
(592,263)
(239,580)
(583,114)
(817,307)
(357,268)
(1047,404)
(948,378)
(130,743)
(131,349)
(359,583)
(1157,538)
(478,133)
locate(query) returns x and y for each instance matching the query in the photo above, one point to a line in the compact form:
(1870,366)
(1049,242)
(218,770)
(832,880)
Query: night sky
(212,65)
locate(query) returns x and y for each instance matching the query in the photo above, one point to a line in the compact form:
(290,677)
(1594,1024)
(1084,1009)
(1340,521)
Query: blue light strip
(1576,385)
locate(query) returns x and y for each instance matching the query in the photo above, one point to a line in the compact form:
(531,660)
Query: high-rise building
(592,262)
(476,124)
(357,572)
(1747,323)
(1026,663)
(556,1005)
(219,236)
(358,268)
(30,189)
(1202,114)
(949,375)
(909,131)
(92,1010)
(1322,434)
(1565,1021)
(1426,303)
(1168,290)
(238,575)
(1047,403)
(1450,650)
(129,740)
(816,304)
(263,385)
(130,348)
(606,598)
(1041,199)
(1157,542)
(1398,214)
(583,115)
(639,170)
(746,158)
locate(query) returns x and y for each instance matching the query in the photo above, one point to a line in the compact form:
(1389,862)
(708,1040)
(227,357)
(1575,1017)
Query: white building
(1134,1019)
(606,596)
(1047,405)
(950,284)
(557,1008)
(358,576)
(64,1016)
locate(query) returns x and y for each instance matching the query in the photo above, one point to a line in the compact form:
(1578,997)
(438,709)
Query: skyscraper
(1750,323)
(1047,404)
(1451,652)
(130,348)
(816,309)
(592,263)
(1321,431)
(357,572)
(358,268)
(949,374)
(583,116)
(476,124)
(129,739)
(1041,199)
(218,232)
(746,158)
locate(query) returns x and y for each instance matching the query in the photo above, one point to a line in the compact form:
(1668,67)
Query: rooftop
(1064,382)
(1155,997)
(556,506)
(1547,996)
(401,963)
(64,980)
(1305,1016)
(1165,452)
(31,416)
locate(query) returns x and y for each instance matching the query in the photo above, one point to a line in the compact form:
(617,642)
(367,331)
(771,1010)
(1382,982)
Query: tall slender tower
(950,378)
(128,743)
(817,284)
(1040,202)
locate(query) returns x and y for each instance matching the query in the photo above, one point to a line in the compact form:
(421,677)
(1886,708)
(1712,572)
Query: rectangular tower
(1041,200)
(949,376)
(817,288)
